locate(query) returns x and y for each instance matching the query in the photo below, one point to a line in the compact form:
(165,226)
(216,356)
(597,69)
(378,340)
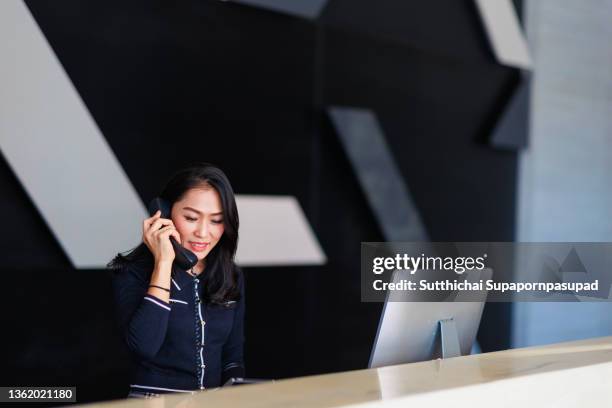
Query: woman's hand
(156,233)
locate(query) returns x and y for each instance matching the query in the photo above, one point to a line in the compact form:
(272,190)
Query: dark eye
(217,221)
(190,219)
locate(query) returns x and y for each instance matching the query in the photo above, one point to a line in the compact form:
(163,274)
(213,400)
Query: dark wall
(170,83)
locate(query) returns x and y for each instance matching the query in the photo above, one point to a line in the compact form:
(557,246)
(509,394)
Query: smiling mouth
(199,246)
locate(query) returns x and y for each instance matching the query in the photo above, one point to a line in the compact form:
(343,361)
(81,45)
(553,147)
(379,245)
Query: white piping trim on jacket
(157,303)
(158,388)
(179,301)
(176,284)
(202,347)
(202,366)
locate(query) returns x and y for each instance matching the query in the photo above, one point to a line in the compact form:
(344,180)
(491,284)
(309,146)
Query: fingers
(157,232)
(152,218)
(158,223)
(146,223)
(167,232)
(153,224)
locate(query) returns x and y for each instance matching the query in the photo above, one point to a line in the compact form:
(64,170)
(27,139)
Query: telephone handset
(183,257)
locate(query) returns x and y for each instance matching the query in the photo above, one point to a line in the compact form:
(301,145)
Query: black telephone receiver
(183,257)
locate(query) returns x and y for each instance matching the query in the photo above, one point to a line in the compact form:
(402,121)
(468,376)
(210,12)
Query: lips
(198,246)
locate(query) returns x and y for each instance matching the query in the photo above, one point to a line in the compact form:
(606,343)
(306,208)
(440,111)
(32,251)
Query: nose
(202,230)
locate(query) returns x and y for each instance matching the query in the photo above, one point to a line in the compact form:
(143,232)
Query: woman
(184,328)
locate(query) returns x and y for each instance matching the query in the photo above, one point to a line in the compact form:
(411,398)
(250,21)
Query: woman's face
(198,217)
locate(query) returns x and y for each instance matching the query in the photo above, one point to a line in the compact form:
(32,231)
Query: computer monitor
(411,331)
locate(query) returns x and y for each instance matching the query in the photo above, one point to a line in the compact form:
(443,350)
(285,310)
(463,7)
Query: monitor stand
(449,338)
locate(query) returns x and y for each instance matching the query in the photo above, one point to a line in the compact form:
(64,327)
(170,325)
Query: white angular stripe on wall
(64,163)
(274,231)
(57,151)
(504,32)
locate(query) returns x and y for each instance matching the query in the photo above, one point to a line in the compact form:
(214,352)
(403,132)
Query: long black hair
(220,279)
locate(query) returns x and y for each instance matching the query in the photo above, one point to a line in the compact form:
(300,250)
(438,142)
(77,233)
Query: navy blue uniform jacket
(182,345)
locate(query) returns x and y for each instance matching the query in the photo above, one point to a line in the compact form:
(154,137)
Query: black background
(173,82)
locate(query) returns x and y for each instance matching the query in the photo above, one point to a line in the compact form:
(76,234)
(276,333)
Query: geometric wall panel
(504,32)
(301,8)
(371,158)
(275,232)
(57,151)
(511,130)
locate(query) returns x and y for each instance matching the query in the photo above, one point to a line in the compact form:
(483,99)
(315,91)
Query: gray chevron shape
(310,9)
(572,263)
(511,130)
(387,194)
